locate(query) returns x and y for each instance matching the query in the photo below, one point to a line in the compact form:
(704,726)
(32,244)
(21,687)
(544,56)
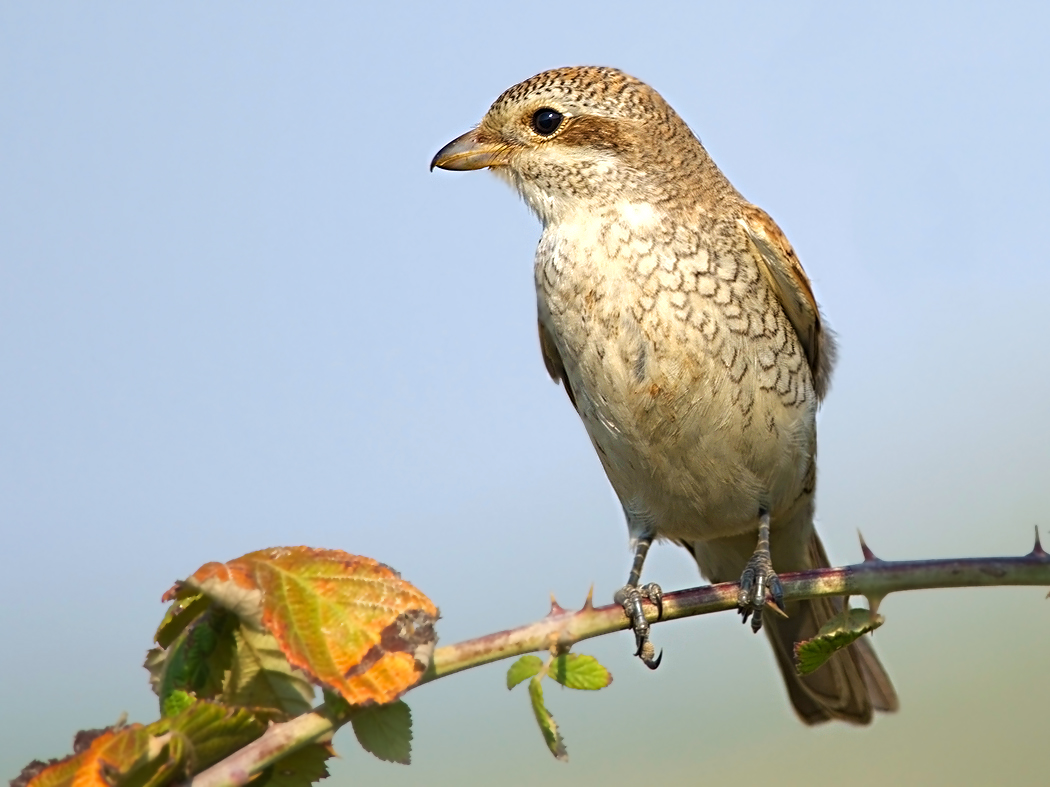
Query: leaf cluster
(572,670)
(243,645)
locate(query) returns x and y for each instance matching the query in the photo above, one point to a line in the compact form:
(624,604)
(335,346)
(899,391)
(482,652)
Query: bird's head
(581,138)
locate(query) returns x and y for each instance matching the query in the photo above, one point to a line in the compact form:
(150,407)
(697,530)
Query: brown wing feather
(783,271)
(552,360)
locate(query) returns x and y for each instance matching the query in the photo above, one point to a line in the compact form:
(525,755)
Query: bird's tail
(851,685)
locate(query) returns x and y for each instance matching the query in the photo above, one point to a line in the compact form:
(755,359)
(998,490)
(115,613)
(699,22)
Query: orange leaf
(350,623)
(57,773)
(116,751)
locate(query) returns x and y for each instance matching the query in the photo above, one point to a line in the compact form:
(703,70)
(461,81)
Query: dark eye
(546,121)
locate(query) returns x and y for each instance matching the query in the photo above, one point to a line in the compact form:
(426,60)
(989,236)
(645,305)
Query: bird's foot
(758,577)
(630,597)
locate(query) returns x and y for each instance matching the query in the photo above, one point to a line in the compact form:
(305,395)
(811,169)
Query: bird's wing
(552,360)
(783,271)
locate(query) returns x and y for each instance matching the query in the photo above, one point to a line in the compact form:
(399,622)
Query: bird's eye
(546,121)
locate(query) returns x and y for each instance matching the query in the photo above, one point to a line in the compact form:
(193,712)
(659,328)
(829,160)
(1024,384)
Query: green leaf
(547,725)
(579,671)
(207,732)
(261,677)
(180,614)
(337,706)
(301,768)
(177,702)
(385,731)
(834,635)
(523,669)
(196,660)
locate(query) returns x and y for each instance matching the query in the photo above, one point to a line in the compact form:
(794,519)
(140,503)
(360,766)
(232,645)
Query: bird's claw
(758,577)
(630,597)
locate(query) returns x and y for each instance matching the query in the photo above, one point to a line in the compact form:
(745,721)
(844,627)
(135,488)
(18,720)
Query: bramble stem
(872,578)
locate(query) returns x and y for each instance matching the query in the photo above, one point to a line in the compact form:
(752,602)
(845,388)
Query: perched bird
(686,334)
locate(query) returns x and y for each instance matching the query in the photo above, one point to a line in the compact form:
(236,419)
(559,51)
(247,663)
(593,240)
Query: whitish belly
(698,425)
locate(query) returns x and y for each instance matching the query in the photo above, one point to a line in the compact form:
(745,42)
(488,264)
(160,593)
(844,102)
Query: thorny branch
(563,628)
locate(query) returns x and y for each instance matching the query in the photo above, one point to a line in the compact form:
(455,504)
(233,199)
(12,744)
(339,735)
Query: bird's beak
(469,152)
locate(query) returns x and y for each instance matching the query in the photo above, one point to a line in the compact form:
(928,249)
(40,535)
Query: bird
(686,334)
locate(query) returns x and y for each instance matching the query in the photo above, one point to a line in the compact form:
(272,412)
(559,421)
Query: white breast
(681,406)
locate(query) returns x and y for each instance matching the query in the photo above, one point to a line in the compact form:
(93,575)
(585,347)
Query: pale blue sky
(237,311)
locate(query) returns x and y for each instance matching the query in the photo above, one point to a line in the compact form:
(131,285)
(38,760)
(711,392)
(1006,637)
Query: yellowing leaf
(834,635)
(348,622)
(579,671)
(56,773)
(60,772)
(112,755)
(170,749)
(523,669)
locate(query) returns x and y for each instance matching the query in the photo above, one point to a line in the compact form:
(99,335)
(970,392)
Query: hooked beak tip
(466,153)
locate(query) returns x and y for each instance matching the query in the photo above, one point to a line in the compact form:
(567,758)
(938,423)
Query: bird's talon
(646,655)
(655,594)
(758,579)
(756,621)
(630,598)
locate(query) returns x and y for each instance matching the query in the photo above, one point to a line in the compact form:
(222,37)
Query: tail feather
(851,686)
(880,689)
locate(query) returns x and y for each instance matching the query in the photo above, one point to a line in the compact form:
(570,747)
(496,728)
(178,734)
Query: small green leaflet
(523,669)
(176,702)
(578,671)
(547,725)
(834,635)
(572,670)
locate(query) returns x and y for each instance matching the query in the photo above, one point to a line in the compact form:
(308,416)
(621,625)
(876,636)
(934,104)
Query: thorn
(1037,550)
(771,604)
(556,608)
(869,556)
(588,603)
